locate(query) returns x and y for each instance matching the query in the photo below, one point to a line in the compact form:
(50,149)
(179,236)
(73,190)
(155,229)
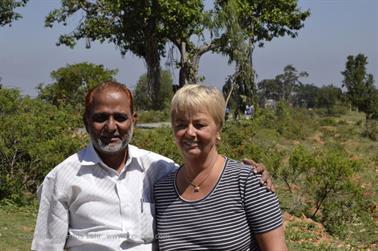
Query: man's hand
(260,169)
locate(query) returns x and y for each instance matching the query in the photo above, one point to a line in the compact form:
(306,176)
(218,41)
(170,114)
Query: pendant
(196,189)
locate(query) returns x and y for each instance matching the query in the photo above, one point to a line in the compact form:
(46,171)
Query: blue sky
(335,29)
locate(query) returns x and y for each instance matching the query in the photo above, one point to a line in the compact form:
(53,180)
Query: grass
(16,228)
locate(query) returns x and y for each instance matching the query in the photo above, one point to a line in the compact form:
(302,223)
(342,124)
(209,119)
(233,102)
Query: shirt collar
(89,157)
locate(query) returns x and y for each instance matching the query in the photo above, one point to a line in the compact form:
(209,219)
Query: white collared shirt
(87,206)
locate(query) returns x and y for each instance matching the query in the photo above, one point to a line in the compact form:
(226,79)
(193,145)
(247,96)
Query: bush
(153,116)
(34,138)
(371,130)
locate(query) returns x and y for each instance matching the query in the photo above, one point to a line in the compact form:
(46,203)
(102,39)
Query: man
(101,197)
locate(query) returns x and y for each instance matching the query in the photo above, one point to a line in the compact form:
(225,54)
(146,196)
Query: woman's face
(195,133)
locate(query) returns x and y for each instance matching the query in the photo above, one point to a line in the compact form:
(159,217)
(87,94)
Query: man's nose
(111,124)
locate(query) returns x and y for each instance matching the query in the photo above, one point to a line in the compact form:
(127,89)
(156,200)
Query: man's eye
(120,117)
(100,118)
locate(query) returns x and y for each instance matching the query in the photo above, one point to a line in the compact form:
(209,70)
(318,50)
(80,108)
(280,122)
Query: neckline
(207,195)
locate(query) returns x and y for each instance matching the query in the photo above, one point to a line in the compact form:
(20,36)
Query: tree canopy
(141,101)
(145,27)
(71,84)
(360,86)
(7,11)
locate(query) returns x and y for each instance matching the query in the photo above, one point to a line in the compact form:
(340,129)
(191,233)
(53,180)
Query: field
(345,220)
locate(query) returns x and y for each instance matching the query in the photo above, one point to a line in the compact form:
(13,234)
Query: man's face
(110,122)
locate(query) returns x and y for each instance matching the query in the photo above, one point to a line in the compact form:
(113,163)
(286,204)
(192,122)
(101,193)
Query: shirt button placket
(122,205)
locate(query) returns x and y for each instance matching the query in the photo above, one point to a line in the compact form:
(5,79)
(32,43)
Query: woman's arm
(273,240)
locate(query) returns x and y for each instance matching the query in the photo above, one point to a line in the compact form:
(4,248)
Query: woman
(212,202)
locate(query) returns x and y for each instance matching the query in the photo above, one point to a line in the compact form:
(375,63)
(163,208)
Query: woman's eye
(179,126)
(199,125)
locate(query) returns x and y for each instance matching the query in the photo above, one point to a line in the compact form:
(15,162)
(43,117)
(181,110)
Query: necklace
(196,188)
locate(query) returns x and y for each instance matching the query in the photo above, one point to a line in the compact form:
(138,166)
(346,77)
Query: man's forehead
(111,99)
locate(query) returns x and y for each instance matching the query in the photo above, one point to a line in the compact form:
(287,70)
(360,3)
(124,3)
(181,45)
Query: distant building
(270,103)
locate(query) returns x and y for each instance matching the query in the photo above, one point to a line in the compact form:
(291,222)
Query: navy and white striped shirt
(226,219)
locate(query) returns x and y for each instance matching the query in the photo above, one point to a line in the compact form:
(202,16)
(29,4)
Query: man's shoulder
(156,165)
(70,164)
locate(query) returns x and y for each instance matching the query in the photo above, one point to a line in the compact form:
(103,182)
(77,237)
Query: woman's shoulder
(236,165)
(166,180)
(242,170)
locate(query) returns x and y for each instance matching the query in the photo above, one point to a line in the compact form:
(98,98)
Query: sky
(335,29)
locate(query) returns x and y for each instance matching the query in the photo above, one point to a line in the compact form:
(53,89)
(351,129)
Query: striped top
(226,219)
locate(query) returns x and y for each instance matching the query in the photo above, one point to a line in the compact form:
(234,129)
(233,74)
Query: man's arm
(260,169)
(51,228)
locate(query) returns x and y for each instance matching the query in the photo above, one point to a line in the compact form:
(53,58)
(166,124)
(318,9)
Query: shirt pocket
(146,226)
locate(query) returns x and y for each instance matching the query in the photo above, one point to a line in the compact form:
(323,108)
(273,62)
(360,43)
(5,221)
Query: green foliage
(7,11)
(72,83)
(331,173)
(159,140)
(145,27)
(300,161)
(34,137)
(360,85)
(328,121)
(143,102)
(328,97)
(288,82)
(141,27)
(338,179)
(348,214)
(153,116)
(371,130)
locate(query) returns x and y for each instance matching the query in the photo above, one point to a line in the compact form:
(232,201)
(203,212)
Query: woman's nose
(190,130)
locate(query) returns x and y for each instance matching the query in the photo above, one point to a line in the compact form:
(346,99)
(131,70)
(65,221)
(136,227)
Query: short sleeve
(52,221)
(261,206)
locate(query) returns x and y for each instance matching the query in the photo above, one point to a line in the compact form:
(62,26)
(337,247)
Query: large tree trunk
(189,64)
(153,77)
(152,59)
(185,65)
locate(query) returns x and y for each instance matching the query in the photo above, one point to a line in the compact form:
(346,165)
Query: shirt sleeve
(52,221)
(261,206)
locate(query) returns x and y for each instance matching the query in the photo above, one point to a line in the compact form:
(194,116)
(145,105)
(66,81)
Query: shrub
(34,138)
(153,116)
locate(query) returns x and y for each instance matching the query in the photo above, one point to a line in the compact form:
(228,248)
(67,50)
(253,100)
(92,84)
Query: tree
(140,99)
(269,89)
(259,21)
(34,137)
(289,82)
(7,11)
(306,96)
(137,26)
(360,86)
(72,82)
(144,27)
(284,86)
(328,97)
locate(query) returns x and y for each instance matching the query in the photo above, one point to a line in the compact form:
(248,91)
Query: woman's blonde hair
(197,98)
